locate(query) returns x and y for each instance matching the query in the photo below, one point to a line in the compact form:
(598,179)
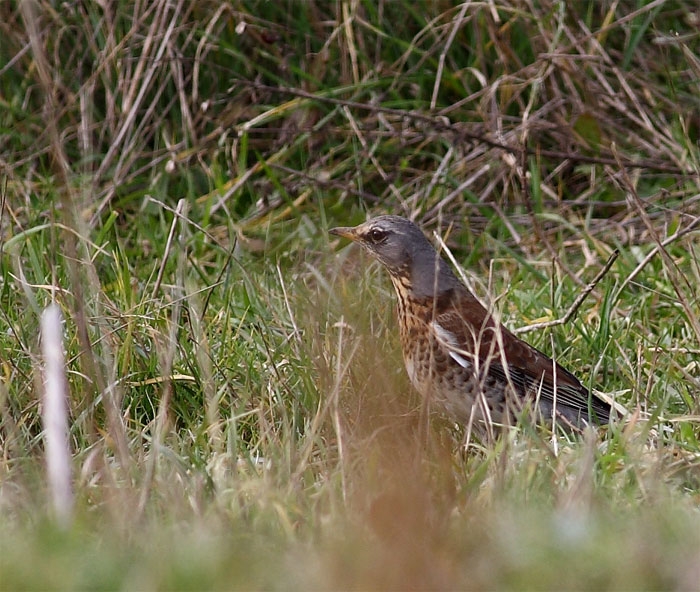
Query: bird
(457,355)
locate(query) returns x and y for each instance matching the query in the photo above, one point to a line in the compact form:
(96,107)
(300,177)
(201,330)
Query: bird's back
(457,355)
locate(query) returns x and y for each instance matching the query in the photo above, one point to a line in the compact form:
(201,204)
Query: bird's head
(403,249)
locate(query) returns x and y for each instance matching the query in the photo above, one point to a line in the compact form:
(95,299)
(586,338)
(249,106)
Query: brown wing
(473,333)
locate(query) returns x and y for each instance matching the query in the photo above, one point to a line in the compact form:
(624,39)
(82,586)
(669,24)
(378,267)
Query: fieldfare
(456,355)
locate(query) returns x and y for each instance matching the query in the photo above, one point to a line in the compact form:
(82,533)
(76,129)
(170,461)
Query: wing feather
(531,372)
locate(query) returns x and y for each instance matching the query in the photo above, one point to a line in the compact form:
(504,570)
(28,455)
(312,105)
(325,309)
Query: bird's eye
(376,235)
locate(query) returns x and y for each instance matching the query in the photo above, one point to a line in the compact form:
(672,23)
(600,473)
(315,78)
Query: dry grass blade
(55,416)
(82,272)
(681,232)
(678,280)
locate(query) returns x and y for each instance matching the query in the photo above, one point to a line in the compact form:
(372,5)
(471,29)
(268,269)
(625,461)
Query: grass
(240,417)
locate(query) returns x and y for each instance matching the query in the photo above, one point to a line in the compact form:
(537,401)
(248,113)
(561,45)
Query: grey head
(403,249)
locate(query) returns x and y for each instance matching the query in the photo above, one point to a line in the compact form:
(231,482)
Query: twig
(675,275)
(576,304)
(651,254)
(179,213)
(442,124)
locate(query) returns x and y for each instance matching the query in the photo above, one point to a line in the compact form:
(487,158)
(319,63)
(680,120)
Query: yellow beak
(345,232)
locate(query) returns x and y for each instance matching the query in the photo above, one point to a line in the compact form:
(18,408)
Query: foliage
(239,413)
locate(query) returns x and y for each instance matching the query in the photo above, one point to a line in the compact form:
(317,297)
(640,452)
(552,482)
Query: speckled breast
(445,384)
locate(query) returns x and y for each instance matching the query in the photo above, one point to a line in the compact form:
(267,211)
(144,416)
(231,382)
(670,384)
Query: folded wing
(492,349)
